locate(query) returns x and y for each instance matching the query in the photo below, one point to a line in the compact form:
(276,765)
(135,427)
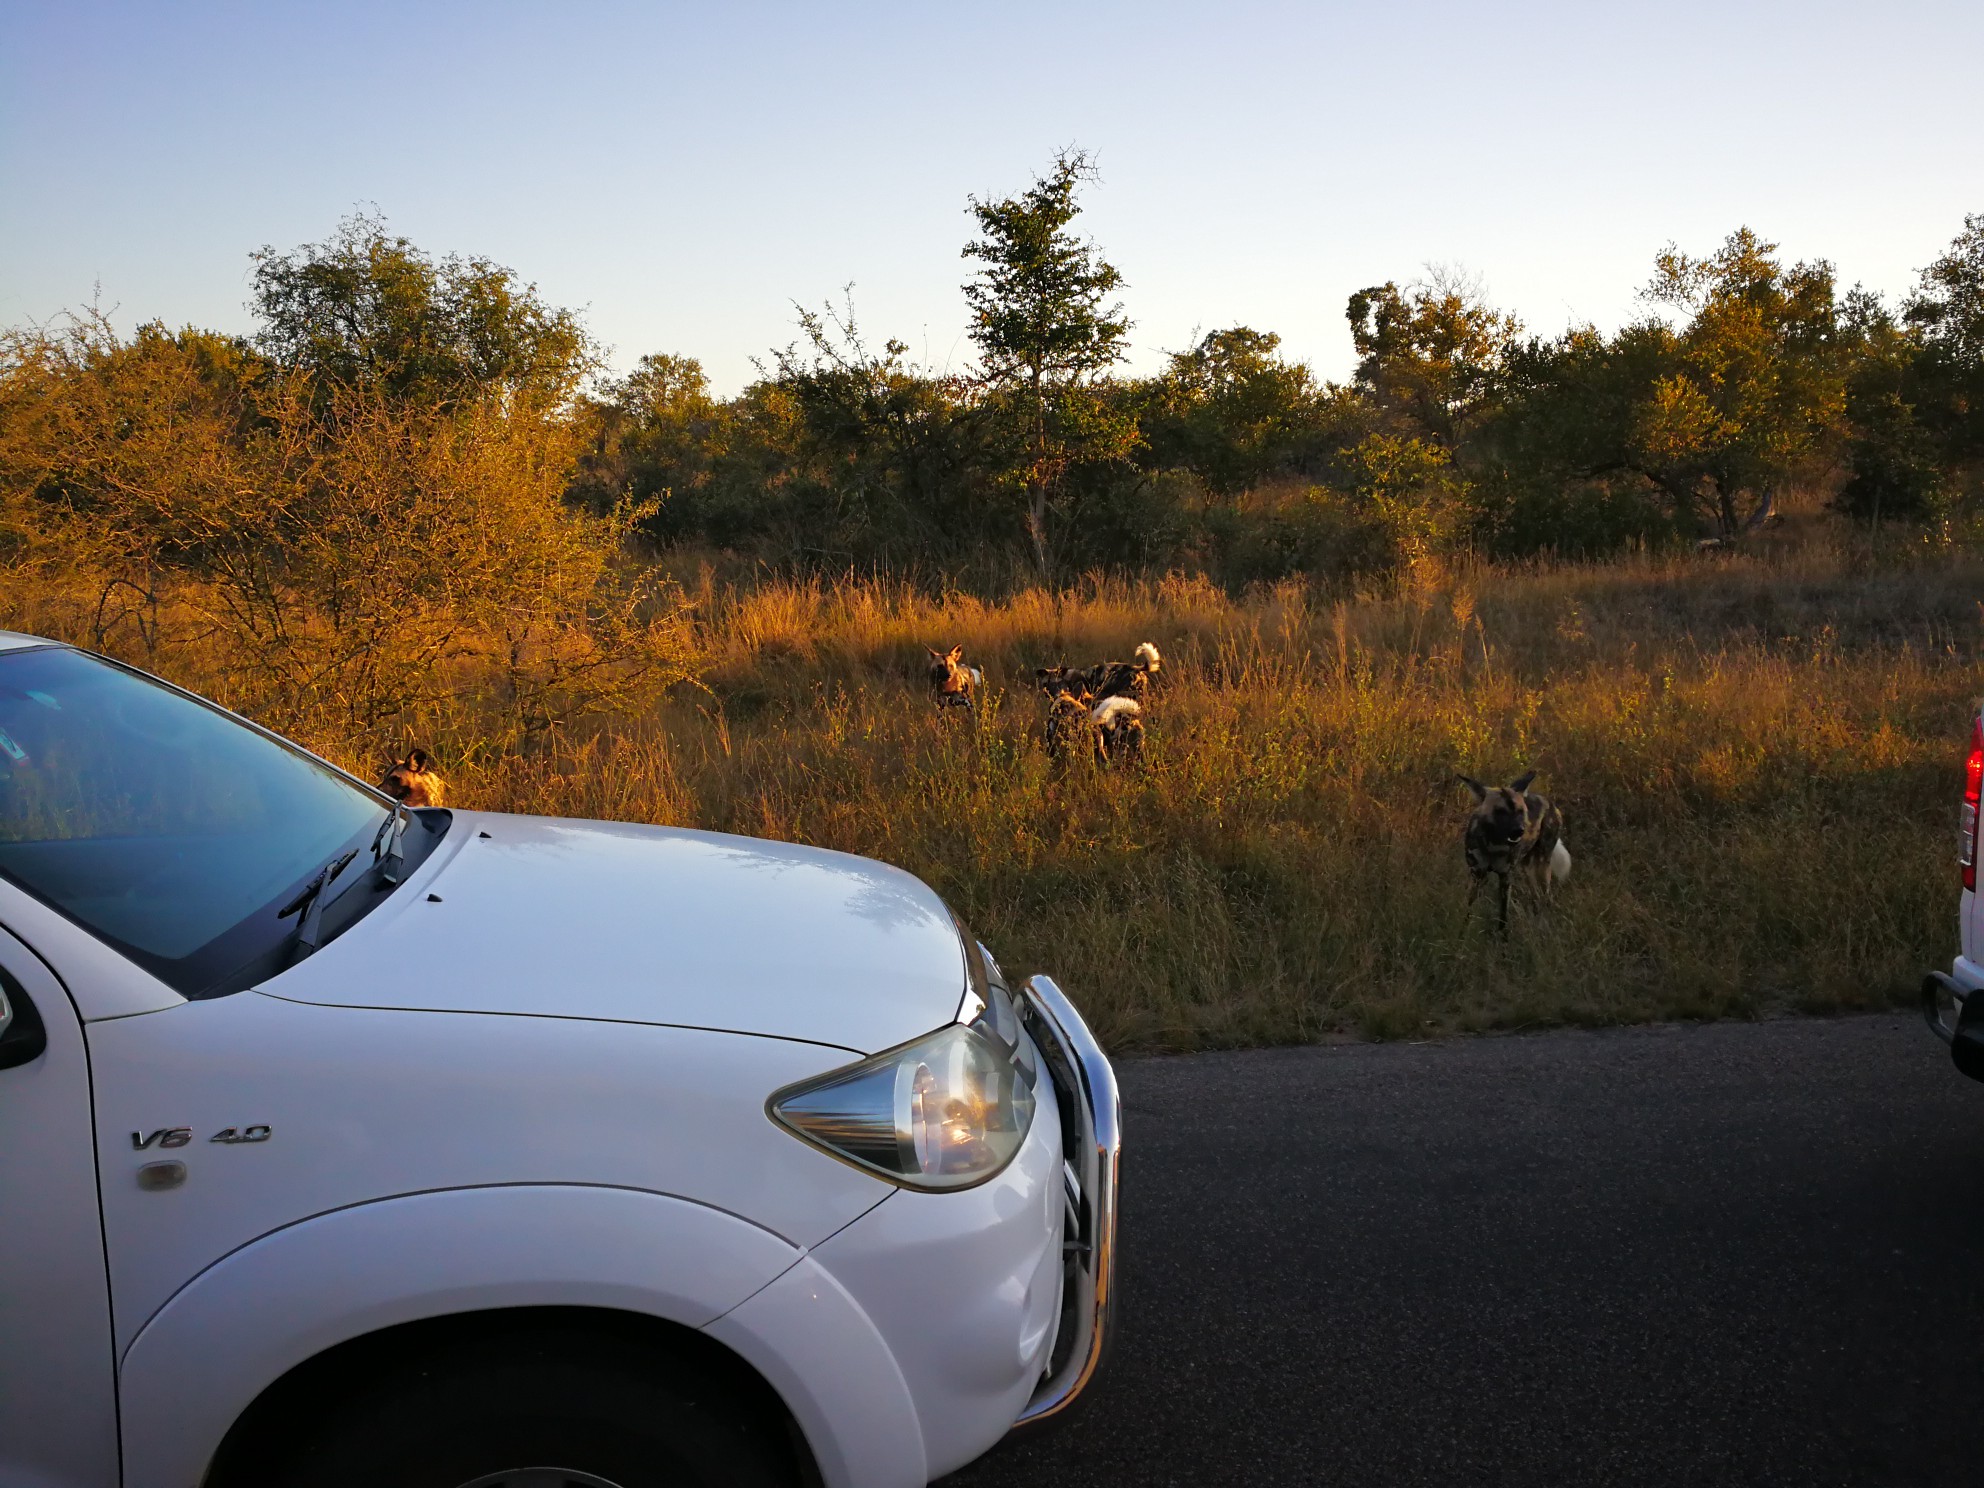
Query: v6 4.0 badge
(179,1136)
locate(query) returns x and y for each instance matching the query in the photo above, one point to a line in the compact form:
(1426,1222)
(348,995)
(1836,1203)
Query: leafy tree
(345,556)
(1892,460)
(1429,358)
(1549,471)
(1408,488)
(1948,306)
(121,459)
(1229,410)
(652,437)
(1046,331)
(1947,313)
(897,445)
(1744,390)
(1750,387)
(366,307)
(1569,402)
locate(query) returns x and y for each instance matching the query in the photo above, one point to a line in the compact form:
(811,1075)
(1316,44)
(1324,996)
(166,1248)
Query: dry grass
(1756,759)
(1756,755)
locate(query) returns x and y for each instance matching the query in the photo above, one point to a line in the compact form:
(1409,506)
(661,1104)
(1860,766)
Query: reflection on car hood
(651,925)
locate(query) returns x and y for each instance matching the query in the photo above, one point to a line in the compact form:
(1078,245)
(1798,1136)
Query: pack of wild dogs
(1096,710)
(1514,834)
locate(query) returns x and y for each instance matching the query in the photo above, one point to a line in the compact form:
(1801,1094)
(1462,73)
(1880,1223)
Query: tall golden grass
(1757,759)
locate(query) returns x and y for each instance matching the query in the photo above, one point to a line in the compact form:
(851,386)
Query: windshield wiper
(310,904)
(390,859)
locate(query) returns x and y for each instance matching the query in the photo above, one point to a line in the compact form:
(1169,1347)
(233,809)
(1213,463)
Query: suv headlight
(945,1112)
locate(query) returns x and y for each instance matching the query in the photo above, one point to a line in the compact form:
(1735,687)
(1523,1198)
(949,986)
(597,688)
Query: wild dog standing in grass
(1106,679)
(1119,730)
(952,683)
(413,781)
(1127,679)
(1067,723)
(1513,829)
(1055,680)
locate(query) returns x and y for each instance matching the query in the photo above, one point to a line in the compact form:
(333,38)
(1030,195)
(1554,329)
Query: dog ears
(418,759)
(956,653)
(934,652)
(1519,785)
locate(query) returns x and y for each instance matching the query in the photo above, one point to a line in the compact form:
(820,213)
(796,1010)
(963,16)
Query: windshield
(164,826)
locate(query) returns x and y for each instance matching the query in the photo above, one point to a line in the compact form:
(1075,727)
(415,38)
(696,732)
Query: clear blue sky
(683,173)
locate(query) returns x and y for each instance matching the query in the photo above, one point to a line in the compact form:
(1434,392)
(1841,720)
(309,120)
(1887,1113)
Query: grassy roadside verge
(1757,760)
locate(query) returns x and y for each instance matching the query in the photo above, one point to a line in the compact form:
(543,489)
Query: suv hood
(580,919)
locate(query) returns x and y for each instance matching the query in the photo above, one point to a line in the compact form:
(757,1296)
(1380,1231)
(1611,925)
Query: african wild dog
(1106,679)
(1055,680)
(413,782)
(1067,722)
(952,683)
(1513,829)
(1130,679)
(1119,730)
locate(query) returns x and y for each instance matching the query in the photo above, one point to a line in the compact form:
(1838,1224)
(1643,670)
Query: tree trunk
(1036,523)
(1726,510)
(1036,491)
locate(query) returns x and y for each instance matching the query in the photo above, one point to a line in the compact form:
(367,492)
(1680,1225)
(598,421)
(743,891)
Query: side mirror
(22,1038)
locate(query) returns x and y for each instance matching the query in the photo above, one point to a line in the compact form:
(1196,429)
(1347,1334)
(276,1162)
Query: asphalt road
(1741,1253)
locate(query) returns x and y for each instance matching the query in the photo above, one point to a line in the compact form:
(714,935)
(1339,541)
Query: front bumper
(1091,1133)
(937,1324)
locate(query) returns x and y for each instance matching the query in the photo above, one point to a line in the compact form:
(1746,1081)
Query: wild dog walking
(1055,680)
(1510,830)
(1106,679)
(1067,723)
(1119,730)
(414,782)
(1130,679)
(952,683)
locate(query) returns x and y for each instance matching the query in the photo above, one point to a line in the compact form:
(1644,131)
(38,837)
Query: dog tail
(1147,654)
(1560,863)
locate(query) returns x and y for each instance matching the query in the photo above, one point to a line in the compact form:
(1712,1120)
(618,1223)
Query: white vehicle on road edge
(1956,1017)
(342,1144)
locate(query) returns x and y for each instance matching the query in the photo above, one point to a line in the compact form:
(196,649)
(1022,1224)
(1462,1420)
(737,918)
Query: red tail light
(1973,788)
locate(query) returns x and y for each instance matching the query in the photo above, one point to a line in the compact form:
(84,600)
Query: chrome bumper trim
(1093,1141)
(1935,986)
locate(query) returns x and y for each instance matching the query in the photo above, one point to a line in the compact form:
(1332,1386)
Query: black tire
(595,1407)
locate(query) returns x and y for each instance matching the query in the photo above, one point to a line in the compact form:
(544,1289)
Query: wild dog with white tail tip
(1119,730)
(1514,830)
(1127,679)
(1106,679)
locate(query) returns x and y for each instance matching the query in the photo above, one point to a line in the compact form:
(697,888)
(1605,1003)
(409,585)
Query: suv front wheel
(550,1410)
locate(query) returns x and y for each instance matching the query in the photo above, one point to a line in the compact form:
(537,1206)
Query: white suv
(1953,1012)
(351,1145)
